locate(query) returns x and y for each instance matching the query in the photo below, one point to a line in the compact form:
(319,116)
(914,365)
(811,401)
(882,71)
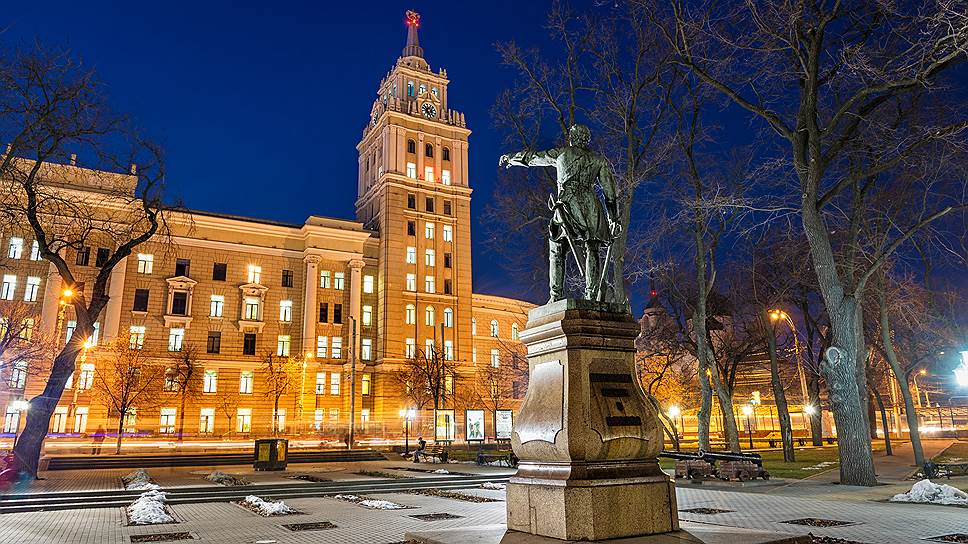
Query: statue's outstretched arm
(530,158)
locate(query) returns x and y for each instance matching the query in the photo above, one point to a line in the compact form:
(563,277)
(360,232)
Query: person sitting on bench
(421,446)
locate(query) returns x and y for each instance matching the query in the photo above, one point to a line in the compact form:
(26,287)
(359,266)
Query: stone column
(112,314)
(51,304)
(356,297)
(586,436)
(310,306)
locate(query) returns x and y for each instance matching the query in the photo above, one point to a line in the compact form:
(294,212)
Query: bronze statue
(579,218)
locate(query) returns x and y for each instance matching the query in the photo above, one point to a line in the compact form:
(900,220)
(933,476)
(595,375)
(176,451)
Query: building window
(210,383)
(171,381)
(182,267)
(33,285)
(412,198)
(282,345)
(368,284)
(367,318)
(429,150)
(423,88)
(446,156)
(214,342)
(175,339)
(18,375)
(447,208)
(285,311)
(411,146)
(411,228)
(410,315)
(429,316)
(320,383)
(411,255)
(248,344)
(322,343)
(337,313)
(218,302)
(429,284)
(219,271)
(428,347)
(494,328)
(324,279)
(429,231)
(255,273)
(243,419)
(365,385)
(167,423)
(337,351)
(445,177)
(15,248)
(83,256)
(246,377)
(429,204)
(179,303)
(411,282)
(35,251)
(495,358)
(448,233)
(410,348)
(287,278)
(333,416)
(366,349)
(8,287)
(429,173)
(411,172)
(86,379)
(447,260)
(318,419)
(206,421)
(80,419)
(410,91)
(448,317)
(473,326)
(136,338)
(338,281)
(71,325)
(514,332)
(429,257)
(324,312)
(140,300)
(334,383)
(146,263)
(449,350)
(252,308)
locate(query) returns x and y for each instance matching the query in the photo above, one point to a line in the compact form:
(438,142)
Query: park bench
(498,456)
(437,452)
(937,470)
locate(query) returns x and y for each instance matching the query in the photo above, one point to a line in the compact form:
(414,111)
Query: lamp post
(917,389)
(777,315)
(748,411)
(675,412)
(408,414)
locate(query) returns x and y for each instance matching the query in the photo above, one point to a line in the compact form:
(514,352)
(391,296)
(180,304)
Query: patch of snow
(222,478)
(377,504)
(348,498)
(821,466)
(492,485)
(139,480)
(441,471)
(268,508)
(149,509)
(926,491)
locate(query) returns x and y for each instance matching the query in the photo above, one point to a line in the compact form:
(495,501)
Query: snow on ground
(374,504)
(222,478)
(821,466)
(149,509)
(441,471)
(267,508)
(926,491)
(139,480)
(492,485)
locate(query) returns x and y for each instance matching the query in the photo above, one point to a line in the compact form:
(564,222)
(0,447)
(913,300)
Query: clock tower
(414,192)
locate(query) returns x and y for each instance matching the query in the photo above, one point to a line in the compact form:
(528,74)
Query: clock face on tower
(429,110)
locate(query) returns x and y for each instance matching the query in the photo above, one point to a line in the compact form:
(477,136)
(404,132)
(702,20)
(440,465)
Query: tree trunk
(618,254)
(779,396)
(887,430)
(181,417)
(705,410)
(910,412)
(31,440)
(871,420)
(117,450)
(729,414)
(816,418)
(275,416)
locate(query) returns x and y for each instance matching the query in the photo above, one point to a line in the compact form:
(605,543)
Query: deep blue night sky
(260,103)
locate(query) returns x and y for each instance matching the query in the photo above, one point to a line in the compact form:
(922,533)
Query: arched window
(429,150)
(430,316)
(448,317)
(410,88)
(423,88)
(494,328)
(411,315)
(433,91)
(514,332)
(411,146)
(446,153)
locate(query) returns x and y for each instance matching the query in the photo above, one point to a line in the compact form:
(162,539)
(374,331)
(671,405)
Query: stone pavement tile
(690,533)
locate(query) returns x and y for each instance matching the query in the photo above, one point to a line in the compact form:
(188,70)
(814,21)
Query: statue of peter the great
(579,219)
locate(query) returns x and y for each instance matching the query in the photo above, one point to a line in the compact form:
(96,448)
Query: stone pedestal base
(592,509)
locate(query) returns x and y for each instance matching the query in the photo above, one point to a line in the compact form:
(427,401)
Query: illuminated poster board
(474,425)
(503,425)
(445,425)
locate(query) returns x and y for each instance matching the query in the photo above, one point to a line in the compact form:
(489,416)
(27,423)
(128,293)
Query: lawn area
(810,461)
(956,453)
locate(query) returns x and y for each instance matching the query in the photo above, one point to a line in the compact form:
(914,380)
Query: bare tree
(845,85)
(50,108)
(426,375)
(24,346)
(497,387)
(186,377)
(280,376)
(226,402)
(126,380)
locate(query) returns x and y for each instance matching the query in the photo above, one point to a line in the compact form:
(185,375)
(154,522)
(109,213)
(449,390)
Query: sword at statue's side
(554,206)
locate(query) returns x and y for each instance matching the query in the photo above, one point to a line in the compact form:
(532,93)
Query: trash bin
(271,454)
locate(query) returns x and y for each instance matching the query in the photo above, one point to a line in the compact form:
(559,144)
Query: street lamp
(809,409)
(777,315)
(748,411)
(408,415)
(675,412)
(961,373)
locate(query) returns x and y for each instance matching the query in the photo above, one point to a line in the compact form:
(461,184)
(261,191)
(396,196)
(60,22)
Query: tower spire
(413,48)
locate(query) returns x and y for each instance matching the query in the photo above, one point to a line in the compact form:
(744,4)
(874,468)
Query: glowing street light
(408,415)
(961,373)
(674,411)
(748,411)
(809,409)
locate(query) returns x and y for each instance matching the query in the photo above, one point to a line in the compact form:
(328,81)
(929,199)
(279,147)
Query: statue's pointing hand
(504,161)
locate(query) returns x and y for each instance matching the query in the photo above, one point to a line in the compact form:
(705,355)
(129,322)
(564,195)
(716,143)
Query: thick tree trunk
(816,418)
(729,414)
(887,429)
(910,412)
(872,421)
(117,449)
(779,396)
(181,417)
(618,254)
(31,440)
(705,409)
